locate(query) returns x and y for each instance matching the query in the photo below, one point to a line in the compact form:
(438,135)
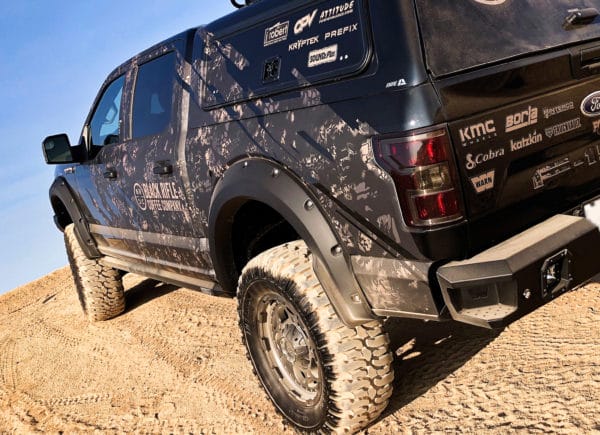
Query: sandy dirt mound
(174,363)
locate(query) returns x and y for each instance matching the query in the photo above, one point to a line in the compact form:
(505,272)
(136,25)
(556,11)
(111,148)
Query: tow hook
(556,274)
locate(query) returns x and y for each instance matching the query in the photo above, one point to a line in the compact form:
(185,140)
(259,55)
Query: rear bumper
(505,282)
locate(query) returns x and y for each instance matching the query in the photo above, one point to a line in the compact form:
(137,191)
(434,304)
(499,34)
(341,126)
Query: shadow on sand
(426,353)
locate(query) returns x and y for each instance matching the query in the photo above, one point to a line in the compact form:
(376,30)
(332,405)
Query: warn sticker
(323,56)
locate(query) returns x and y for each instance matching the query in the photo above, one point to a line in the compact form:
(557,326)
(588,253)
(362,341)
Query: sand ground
(174,362)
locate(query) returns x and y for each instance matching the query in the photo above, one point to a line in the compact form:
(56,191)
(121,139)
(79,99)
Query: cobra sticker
(590,106)
(158,197)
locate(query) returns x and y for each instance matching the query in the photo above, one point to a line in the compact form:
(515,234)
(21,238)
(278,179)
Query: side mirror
(57,150)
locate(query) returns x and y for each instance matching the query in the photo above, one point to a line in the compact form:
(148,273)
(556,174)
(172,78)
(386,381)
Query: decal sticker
(522,119)
(590,106)
(524,142)
(484,182)
(322,56)
(158,197)
(596,126)
(305,22)
(341,31)
(563,128)
(474,161)
(590,156)
(276,33)
(301,43)
(477,132)
(396,83)
(337,12)
(549,112)
(491,2)
(550,171)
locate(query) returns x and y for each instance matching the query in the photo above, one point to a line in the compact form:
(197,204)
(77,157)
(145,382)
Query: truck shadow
(146,291)
(427,353)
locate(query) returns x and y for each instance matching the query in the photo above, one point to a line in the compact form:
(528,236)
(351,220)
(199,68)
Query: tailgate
(538,151)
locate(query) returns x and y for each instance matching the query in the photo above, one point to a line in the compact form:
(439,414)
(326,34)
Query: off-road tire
(100,288)
(354,364)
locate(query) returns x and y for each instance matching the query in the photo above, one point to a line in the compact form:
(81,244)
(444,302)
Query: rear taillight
(421,168)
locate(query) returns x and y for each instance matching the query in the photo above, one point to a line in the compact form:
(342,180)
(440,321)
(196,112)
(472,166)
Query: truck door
(98,187)
(152,170)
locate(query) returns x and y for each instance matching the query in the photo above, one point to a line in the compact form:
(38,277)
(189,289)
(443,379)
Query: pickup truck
(334,163)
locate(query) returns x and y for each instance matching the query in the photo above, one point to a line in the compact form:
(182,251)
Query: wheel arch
(268,183)
(67,211)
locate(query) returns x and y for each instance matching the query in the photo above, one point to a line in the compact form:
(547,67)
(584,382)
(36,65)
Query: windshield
(467,33)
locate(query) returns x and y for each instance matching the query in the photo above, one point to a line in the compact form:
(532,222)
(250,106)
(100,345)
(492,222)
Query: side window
(153,97)
(105,125)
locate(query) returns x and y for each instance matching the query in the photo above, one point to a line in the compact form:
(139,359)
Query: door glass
(153,98)
(105,125)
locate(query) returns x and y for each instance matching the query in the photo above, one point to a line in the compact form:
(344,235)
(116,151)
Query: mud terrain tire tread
(357,361)
(100,288)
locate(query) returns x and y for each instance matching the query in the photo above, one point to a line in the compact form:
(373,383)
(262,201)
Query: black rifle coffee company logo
(276,33)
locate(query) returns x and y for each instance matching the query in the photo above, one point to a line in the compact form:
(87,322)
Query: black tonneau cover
(464,34)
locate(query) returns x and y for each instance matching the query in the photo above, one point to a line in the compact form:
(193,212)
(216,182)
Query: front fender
(267,182)
(60,191)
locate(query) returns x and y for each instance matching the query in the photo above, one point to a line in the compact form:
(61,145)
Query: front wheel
(99,287)
(322,375)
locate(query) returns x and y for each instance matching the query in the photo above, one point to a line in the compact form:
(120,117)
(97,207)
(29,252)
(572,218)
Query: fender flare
(267,182)
(61,191)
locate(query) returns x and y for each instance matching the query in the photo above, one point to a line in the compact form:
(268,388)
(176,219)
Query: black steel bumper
(500,285)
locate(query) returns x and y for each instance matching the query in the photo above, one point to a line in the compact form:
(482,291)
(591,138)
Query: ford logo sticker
(590,106)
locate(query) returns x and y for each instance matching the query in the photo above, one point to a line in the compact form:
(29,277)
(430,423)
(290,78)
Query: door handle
(110,173)
(163,168)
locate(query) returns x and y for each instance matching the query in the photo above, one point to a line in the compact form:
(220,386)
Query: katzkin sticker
(322,56)
(276,33)
(484,182)
(525,142)
(590,106)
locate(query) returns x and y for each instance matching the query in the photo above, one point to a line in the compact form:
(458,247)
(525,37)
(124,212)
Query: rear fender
(261,180)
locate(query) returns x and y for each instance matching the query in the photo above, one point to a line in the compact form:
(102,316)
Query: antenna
(241,5)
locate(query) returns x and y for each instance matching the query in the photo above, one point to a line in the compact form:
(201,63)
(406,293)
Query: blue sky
(53,58)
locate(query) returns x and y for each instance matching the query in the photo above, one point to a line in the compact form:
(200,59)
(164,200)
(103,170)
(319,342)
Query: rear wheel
(321,375)
(100,288)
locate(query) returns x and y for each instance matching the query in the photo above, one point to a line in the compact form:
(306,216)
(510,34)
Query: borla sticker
(590,106)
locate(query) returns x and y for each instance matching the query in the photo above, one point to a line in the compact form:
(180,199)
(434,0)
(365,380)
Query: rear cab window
(310,44)
(460,35)
(153,96)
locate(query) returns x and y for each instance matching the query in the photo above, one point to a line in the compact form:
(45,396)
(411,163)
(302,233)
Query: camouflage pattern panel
(322,132)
